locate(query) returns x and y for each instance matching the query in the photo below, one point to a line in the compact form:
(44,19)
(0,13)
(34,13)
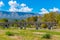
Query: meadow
(14,31)
(28,34)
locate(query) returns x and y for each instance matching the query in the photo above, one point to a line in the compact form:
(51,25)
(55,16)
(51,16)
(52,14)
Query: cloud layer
(44,11)
(13,7)
(55,9)
(1,4)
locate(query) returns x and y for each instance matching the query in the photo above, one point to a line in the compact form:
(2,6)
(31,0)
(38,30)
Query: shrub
(43,25)
(9,33)
(29,26)
(47,36)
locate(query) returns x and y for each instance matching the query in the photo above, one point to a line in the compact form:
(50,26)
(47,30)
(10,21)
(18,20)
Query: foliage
(49,17)
(4,20)
(32,19)
(43,25)
(29,26)
(47,36)
(16,20)
(9,33)
(29,34)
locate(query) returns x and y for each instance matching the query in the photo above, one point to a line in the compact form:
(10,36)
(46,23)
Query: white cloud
(1,3)
(23,5)
(43,11)
(13,7)
(25,9)
(54,9)
(13,3)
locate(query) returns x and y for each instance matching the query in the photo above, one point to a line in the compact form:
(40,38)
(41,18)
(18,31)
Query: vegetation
(15,33)
(29,34)
(47,36)
(49,17)
(9,33)
(44,26)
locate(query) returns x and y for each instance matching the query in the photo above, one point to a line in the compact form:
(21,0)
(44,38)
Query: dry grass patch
(40,33)
(55,37)
(16,37)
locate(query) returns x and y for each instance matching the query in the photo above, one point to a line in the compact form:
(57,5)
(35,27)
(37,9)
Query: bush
(10,33)
(47,36)
(43,25)
(29,26)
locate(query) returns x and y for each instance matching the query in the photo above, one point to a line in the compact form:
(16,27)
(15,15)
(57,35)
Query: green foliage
(29,26)
(9,33)
(35,18)
(43,25)
(47,36)
(32,19)
(16,20)
(4,20)
(49,17)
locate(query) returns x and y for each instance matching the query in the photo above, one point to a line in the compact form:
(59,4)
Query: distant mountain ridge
(17,15)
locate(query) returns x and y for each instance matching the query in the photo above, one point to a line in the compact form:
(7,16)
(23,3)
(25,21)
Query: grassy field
(29,34)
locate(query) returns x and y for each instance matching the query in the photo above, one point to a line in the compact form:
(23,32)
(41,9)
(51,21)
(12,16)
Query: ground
(29,34)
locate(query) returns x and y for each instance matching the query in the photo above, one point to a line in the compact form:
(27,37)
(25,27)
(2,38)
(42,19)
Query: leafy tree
(4,20)
(43,25)
(50,17)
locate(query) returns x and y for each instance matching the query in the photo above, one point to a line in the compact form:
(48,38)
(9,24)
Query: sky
(38,6)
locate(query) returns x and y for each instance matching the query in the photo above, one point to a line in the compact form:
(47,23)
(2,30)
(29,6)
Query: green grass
(26,34)
(47,36)
(48,31)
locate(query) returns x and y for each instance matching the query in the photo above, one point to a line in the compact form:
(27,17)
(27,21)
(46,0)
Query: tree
(4,20)
(44,25)
(51,17)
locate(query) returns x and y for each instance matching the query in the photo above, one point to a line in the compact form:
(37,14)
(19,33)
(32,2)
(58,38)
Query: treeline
(48,17)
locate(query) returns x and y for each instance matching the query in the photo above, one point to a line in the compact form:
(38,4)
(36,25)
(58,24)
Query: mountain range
(17,15)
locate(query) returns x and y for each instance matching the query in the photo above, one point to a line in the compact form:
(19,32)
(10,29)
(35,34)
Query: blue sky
(41,6)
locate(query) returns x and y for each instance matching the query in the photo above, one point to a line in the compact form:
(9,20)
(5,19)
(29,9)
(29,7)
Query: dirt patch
(57,30)
(56,37)
(38,33)
(2,31)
